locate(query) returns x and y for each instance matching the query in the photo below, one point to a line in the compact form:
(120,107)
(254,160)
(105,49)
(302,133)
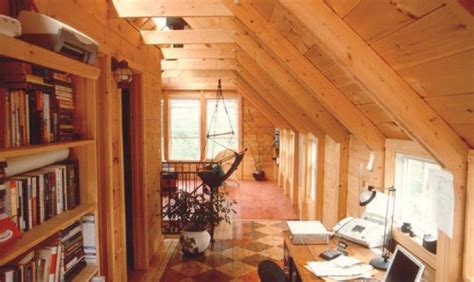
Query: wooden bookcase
(83,150)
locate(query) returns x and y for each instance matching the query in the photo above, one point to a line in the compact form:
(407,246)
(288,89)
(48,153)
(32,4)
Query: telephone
(361,231)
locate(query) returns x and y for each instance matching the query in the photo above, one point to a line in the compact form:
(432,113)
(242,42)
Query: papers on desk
(340,268)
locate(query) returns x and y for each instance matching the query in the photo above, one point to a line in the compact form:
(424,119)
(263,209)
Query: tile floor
(254,235)
(234,259)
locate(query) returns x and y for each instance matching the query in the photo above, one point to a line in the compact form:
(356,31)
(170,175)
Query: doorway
(128,175)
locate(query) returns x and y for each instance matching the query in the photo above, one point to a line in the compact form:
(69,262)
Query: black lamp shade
(366,197)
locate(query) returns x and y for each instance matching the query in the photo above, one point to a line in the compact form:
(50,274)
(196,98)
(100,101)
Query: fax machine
(369,229)
(364,231)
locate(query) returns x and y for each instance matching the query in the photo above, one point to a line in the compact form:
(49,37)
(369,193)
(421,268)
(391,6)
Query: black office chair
(269,271)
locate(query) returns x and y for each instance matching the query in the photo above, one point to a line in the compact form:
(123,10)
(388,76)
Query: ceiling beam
(204,36)
(318,85)
(171,8)
(281,77)
(198,53)
(199,73)
(195,64)
(385,86)
(197,83)
(268,111)
(274,95)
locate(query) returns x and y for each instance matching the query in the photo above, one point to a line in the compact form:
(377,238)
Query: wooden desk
(301,254)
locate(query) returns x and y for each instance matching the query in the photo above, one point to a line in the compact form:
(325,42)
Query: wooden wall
(359,177)
(118,38)
(257,129)
(331,181)
(152,147)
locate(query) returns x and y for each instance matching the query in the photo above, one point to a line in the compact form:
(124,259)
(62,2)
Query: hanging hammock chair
(212,172)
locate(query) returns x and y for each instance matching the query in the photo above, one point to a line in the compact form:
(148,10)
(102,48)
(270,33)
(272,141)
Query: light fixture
(123,74)
(380,262)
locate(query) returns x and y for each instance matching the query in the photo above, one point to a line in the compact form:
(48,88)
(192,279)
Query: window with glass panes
(221,124)
(414,198)
(184,129)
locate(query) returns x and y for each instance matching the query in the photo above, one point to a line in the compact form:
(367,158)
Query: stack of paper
(340,268)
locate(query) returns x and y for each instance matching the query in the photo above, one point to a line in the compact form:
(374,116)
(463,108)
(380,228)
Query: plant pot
(258,175)
(194,242)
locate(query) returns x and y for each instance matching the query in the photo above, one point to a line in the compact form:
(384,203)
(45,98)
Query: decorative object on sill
(430,243)
(122,73)
(406,227)
(381,262)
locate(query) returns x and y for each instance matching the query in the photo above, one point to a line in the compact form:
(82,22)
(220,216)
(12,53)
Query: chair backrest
(269,271)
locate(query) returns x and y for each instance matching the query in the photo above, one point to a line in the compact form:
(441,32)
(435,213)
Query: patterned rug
(231,258)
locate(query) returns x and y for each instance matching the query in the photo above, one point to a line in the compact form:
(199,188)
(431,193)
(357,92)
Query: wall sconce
(122,74)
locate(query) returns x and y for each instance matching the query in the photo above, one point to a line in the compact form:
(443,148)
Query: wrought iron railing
(177,176)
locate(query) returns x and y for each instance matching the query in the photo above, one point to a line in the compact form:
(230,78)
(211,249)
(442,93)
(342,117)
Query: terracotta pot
(194,242)
(258,175)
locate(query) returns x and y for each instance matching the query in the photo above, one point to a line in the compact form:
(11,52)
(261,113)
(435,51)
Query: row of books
(59,258)
(36,104)
(34,197)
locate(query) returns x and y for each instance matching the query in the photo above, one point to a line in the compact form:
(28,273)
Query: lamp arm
(385,251)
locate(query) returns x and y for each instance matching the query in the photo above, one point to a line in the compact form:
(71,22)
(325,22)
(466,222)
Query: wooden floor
(253,235)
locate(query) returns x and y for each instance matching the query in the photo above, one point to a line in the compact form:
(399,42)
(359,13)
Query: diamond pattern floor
(231,259)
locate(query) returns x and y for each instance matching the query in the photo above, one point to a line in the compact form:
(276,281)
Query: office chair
(269,271)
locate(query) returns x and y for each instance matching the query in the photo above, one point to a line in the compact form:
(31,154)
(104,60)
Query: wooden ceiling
(403,70)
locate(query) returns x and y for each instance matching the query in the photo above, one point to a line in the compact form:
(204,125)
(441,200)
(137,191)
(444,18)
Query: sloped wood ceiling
(430,44)
(438,63)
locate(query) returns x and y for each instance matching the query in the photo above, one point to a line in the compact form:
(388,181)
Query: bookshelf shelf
(34,149)
(43,231)
(86,274)
(17,49)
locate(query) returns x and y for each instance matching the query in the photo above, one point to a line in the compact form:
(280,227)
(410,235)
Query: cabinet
(83,150)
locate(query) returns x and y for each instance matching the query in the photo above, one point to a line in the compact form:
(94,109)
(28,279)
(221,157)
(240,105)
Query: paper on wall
(441,184)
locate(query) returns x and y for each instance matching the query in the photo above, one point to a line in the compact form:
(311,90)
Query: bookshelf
(83,150)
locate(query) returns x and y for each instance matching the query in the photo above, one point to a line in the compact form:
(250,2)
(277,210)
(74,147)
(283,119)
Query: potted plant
(197,212)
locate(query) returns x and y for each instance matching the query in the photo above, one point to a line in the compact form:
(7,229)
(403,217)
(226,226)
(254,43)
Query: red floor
(261,200)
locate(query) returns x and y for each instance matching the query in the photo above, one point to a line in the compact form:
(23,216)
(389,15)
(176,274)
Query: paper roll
(24,164)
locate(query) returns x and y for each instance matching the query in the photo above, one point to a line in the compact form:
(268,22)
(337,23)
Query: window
(221,125)
(291,155)
(185,133)
(313,167)
(301,154)
(414,200)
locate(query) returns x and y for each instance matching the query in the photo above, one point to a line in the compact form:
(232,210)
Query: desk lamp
(380,262)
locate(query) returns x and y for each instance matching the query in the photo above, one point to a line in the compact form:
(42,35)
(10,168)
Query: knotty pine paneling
(255,128)
(331,181)
(386,16)
(446,76)
(444,32)
(358,176)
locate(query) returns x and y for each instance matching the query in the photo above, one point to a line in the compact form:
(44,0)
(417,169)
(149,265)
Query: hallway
(261,200)
(253,236)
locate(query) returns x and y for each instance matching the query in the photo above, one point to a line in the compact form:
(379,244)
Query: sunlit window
(313,168)
(414,199)
(221,126)
(185,133)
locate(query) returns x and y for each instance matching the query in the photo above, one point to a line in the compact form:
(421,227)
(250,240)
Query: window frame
(203,96)
(168,139)
(401,191)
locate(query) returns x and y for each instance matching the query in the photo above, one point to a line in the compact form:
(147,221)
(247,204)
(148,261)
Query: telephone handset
(361,231)
(341,223)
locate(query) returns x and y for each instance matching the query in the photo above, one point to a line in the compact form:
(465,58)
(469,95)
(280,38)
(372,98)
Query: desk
(300,254)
